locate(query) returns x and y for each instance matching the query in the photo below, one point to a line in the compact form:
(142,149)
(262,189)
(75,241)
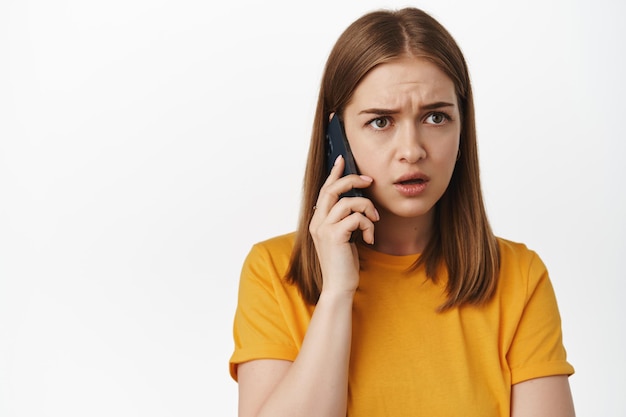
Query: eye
(379,123)
(437,118)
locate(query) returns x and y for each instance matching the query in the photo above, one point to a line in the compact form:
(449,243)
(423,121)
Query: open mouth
(413,181)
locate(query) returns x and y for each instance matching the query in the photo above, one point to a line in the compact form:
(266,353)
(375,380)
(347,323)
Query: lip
(412,185)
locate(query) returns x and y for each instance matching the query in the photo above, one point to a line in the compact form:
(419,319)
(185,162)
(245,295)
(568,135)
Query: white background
(146,145)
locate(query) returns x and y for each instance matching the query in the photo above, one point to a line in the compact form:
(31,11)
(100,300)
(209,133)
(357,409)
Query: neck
(403,236)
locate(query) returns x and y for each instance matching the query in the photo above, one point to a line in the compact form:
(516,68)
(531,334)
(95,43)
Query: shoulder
(528,314)
(514,255)
(270,257)
(283,242)
(277,247)
(509,248)
(521,268)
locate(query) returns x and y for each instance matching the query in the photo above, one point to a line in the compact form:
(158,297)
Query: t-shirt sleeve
(537,349)
(259,329)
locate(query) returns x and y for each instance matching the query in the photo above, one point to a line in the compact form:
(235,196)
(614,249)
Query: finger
(326,200)
(357,221)
(337,169)
(367,232)
(347,206)
(332,190)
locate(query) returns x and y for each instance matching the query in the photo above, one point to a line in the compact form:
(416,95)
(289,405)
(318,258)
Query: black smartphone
(337,144)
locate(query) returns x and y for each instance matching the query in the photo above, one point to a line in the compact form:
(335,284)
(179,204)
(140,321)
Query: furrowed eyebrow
(383,112)
(387,112)
(437,105)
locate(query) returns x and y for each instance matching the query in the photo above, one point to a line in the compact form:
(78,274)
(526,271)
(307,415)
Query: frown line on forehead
(430,106)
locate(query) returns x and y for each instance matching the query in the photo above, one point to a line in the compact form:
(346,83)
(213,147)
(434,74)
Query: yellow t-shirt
(407,359)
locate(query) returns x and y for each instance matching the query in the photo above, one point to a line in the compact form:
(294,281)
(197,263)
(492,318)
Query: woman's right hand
(332,225)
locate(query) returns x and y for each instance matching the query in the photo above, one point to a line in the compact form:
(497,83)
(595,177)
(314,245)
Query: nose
(410,147)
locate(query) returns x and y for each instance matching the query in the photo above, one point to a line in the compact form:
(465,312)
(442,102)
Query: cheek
(365,161)
(443,153)
(452,153)
(447,150)
(365,156)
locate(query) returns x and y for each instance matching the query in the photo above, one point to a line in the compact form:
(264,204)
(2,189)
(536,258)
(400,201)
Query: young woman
(426,313)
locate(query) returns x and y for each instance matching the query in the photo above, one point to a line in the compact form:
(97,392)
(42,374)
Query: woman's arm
(542,397)
(316,382)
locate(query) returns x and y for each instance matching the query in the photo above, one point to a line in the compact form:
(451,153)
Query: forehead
(406,76)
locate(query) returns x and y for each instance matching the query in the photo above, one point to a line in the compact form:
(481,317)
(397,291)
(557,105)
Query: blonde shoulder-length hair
(462,241)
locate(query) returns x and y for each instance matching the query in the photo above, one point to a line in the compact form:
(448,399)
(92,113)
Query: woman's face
(403,125)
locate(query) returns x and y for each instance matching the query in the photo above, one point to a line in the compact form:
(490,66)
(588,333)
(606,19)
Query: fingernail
(366,178)
(377,215)
(337,159)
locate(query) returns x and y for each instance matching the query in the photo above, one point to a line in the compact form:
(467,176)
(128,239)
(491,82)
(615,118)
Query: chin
(410,211)
(406,208)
